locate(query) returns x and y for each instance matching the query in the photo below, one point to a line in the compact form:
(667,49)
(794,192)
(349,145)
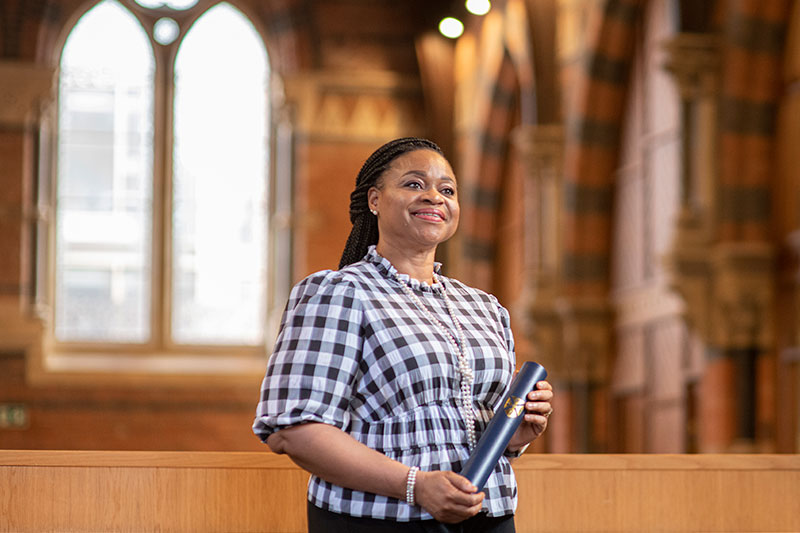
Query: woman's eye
(414,185)
(448,191)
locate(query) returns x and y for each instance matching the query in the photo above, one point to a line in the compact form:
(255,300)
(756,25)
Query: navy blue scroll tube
(502,426)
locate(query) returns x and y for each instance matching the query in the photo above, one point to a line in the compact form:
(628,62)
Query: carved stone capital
(744,295)
(541,324)
(638,306)
(691,276)
(729,292)
(541,147)
(694,61)
(25,89)
(571,338)
(587,333)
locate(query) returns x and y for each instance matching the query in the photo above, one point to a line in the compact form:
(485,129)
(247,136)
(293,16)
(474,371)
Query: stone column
(694,61)
(743,318)
(727,286)
(787,419)
(26,89)
(571,338)
(559,331)
(587,353)
(541,147)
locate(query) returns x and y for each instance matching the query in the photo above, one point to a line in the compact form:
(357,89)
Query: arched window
(161,226)
(219,166)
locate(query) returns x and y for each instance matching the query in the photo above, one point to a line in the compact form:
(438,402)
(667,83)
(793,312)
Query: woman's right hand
(449,497)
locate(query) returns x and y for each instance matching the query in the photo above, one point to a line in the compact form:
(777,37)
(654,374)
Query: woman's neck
(416,264)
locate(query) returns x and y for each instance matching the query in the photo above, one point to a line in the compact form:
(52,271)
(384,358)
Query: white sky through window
(219,181)
(104,203)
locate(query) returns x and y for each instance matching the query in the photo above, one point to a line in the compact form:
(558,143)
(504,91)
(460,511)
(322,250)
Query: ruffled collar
(389,271)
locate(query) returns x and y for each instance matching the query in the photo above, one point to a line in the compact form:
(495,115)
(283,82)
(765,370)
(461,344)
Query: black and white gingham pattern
(355,351)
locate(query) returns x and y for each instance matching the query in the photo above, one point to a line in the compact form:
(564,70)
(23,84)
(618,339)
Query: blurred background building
(627,174)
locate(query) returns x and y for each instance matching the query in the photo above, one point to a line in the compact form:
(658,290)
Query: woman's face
(416,200)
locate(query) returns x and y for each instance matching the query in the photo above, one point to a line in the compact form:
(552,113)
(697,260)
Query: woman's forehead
(425,161)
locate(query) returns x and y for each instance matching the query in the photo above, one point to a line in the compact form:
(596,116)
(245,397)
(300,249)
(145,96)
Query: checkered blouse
(354,351)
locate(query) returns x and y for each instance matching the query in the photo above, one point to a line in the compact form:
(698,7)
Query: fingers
(543,390)
(538,407)
(448,496)
(461,483)
(467,494)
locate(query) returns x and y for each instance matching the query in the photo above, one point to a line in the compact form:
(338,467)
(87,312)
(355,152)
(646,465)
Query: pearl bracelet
(410,482)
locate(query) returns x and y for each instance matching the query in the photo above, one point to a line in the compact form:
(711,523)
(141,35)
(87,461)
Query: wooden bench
(238,492)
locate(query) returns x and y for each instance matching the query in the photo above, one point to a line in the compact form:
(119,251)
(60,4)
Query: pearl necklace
(464,368)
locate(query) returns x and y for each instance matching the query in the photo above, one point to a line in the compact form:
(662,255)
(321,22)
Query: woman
(385,372)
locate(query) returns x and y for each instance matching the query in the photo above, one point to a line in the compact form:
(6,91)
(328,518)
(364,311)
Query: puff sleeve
(311,373)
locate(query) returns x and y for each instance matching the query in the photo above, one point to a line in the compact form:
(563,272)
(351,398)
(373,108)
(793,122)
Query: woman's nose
(433,196)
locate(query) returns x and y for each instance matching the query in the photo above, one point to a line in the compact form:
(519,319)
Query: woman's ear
(372,198)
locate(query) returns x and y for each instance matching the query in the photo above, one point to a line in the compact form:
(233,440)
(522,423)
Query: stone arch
(592,147)
(482,179)
(751,84)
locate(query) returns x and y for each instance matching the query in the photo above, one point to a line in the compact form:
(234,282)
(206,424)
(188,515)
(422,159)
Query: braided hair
(365,225)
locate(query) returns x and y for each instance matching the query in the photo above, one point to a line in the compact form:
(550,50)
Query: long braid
(365,225)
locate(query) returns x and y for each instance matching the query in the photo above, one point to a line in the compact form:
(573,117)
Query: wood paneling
(174,491)
(97,415)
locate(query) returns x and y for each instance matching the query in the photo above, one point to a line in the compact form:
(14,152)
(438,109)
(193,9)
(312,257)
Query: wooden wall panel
(99,416)
(172,491)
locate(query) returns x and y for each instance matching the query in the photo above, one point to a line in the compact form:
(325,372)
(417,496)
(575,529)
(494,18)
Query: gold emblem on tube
(514,407)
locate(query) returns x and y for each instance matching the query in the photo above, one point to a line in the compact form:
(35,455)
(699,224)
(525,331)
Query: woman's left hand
(537,410)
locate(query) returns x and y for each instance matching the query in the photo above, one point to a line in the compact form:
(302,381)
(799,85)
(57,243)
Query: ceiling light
(451,27)
(478,7)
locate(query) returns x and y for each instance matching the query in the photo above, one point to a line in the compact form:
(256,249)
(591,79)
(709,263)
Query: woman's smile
(431,215)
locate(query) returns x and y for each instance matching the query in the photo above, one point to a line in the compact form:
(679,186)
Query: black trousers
(322,521)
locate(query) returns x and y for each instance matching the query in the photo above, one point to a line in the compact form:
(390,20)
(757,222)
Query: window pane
(219,182)
(105,159)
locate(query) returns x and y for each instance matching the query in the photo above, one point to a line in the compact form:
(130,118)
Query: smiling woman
(416,204)
(385,372)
